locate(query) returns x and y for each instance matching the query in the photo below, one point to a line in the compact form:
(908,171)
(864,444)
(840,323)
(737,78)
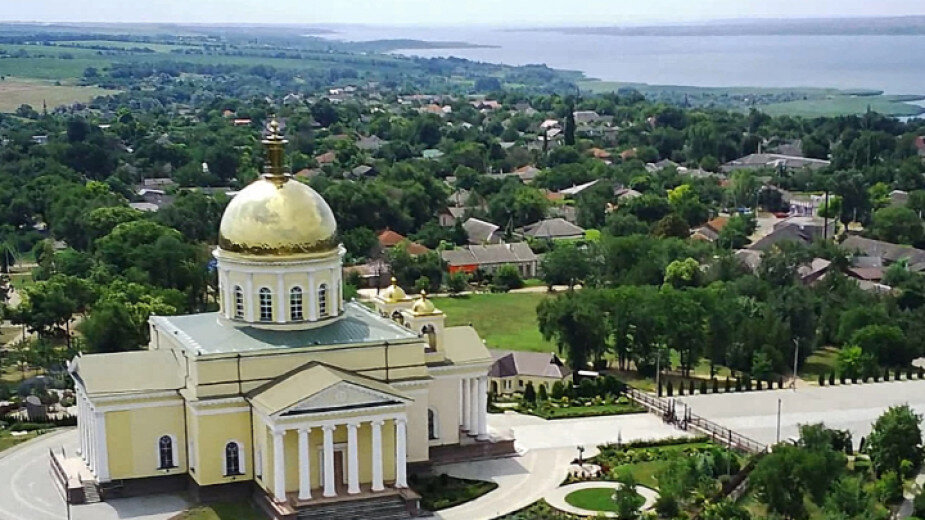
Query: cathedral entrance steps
(384,508)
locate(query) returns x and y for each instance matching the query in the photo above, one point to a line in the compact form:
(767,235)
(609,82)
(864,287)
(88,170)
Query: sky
(444,12)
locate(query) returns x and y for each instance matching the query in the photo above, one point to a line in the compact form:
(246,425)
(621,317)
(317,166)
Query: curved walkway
(27,491)
(556,498)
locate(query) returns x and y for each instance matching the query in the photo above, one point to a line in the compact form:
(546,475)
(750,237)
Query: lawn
(594,499)
(443,491)
(7,441)
(822,361)
(16,92)
(620,408)
(504,321)
(222,511)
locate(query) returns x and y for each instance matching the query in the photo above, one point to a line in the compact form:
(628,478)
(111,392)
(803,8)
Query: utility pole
(825,217)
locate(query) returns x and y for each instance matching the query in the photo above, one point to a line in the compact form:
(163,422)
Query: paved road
(547,447)
(851,407)
(27,491)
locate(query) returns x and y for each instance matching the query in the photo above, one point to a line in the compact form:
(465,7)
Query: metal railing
(667,409)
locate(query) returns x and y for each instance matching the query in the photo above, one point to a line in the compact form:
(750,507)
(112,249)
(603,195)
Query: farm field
(15,92)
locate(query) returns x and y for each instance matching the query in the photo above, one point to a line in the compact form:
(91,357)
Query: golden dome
(423,306)
(276,215)
(394,293)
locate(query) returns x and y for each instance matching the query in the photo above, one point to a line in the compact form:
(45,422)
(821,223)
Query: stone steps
(91,493)
(385,508)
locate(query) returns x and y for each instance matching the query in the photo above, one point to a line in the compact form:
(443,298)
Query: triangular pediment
(317,387)
(339,396)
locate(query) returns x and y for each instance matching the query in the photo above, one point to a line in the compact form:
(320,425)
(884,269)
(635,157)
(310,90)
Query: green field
(845,104)
(807,102)
(593,499)
(15,92)
(222,511)
(505,321)
(7,441)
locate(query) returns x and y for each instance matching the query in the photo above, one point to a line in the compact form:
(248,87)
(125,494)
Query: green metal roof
(208,333)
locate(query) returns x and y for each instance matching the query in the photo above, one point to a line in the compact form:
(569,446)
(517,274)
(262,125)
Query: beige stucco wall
(132,440)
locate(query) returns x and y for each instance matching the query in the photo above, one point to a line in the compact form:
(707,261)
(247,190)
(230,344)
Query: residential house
(773,160)
(583,117)
(527,173)
(364,170)
(389,239)
(574,191)
(451,215)
(711,230)
(511,371)
(887,252)
(326,158)
(370,143)
(813,271)
(481,232)
(489,258)
(553,229)
(432,153)
(785,233)
(814,227)
(899,198)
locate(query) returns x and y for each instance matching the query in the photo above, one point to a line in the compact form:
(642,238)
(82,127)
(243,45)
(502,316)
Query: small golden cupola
(391,301)
(279,257)
(426,319)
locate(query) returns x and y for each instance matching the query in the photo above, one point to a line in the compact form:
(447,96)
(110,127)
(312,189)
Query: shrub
(780,382)
(681,388)
(821,380)
(542,395)
(886,374)
(727,384)
(703,386)
(918,505)
(558,390)
(690,387)
(669,389)
(660,389)
(898,374)
(716,385)
(758,385)
(738,385)
(841,378)
(909,374)
(831,378)
(889,488)
(667,506)
(530,394)
(748,383)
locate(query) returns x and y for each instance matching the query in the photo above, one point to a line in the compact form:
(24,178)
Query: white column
(223,291)
(305,483)
(281,300)
(329,490)
(483,408)
(311,298)
(473,406)
(249,299)
(279,467)
(465,406)
(102,455)
(462,403)
(353,463)
(82,426)
(401,447)
(91,442)
(377,456)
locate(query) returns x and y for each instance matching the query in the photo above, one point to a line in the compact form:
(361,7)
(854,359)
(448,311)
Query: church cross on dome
(275,143)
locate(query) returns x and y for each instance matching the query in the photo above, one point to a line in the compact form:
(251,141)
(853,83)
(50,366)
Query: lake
(892,63)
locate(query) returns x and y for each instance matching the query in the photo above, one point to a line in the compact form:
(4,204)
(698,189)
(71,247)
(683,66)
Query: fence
(668,411)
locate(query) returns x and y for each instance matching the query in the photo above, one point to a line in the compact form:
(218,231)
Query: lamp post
(581,452)
(778,419)
(796,360)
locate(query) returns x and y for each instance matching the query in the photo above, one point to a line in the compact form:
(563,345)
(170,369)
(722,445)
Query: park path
(547,449)
(905,510)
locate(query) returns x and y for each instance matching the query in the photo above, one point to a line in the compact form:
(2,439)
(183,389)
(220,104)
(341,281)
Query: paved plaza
(845,407)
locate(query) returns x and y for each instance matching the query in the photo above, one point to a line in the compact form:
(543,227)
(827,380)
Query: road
(27,491)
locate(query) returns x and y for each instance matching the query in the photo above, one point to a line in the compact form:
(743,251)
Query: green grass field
(222,511)
(843,104)
(822,361)
(7,441)
(15,92)
(594,499)
(505,321)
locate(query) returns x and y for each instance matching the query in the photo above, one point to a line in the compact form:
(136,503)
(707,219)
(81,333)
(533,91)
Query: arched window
(433,428)
(238,302)
(234,463)
(165,452)
(396,317)
(266,305)
(323,300)
(295,303)
(428,330)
